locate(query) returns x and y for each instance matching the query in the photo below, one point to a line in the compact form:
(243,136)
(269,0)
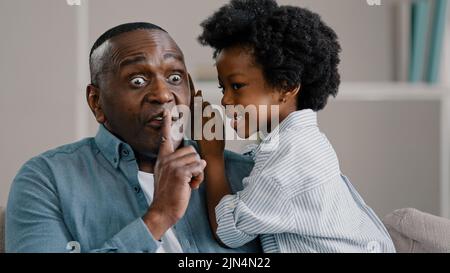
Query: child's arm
(212,151)
(216,186)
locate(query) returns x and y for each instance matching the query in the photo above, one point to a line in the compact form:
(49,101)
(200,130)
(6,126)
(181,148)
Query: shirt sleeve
(262,207)
(35,223)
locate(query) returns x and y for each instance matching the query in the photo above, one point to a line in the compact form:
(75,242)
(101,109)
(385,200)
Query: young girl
(296,198)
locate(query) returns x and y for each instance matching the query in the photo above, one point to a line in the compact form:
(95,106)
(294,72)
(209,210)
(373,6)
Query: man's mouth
(157,120)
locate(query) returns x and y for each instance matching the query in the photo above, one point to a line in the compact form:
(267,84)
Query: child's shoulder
(301,161)
(296,148)
(296,141)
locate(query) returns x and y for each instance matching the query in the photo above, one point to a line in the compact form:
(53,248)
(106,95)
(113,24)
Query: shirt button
(125,153)
(137,189)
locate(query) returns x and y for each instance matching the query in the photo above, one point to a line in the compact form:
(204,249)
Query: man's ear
(93,99)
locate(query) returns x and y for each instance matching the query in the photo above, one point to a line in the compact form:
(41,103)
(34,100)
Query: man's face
(145,75)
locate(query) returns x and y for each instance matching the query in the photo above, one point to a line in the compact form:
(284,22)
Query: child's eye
(174,79)
(236,86)
(138,81)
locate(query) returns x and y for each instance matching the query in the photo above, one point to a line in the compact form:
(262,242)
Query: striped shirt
(297,200)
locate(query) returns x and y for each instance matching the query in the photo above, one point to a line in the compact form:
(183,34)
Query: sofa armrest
(414,231)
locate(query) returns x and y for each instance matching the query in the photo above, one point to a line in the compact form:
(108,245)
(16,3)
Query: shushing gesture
(176,173)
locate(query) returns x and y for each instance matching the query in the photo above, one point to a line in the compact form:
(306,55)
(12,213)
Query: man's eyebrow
(173,55)
(132,60)
(141,59)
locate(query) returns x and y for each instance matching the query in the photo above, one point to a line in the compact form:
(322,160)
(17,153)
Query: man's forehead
(150,43)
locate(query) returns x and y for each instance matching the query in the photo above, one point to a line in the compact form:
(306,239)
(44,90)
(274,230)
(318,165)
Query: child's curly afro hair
(291,44)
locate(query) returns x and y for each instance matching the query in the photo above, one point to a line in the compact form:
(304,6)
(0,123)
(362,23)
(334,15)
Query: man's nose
(227,98)
(160,93)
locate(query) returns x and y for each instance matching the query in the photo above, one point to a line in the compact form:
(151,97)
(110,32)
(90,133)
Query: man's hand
(176,174)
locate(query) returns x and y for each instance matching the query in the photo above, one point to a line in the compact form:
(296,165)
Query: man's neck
(145,163)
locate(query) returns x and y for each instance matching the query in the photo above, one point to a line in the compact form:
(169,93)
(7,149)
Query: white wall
(389,150)
(38,78)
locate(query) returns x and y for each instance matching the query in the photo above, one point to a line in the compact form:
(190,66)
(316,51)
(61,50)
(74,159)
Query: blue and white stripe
(297,200)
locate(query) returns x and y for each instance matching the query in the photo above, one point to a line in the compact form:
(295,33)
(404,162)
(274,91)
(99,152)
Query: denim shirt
(86,196)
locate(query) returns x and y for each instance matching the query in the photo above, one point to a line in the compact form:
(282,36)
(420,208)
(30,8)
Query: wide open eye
(138,81)
(174,79)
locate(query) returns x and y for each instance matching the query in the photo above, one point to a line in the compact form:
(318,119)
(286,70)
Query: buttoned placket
(129,168)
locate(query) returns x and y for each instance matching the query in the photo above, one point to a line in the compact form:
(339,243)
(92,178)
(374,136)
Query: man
(132,188)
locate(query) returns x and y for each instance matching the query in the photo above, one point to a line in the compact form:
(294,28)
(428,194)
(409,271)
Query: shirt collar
(112,147)
(297,119)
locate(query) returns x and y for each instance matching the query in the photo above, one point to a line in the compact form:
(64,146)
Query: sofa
(414,231)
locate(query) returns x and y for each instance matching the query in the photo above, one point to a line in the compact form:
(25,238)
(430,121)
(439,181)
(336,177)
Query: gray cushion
(2,229)
(415,231)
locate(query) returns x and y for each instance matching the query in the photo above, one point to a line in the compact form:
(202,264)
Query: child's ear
(290,93)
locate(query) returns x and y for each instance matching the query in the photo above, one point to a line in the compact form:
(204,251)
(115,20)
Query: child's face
(244,84)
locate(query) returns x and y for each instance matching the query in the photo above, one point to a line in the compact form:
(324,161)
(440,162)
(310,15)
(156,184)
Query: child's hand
(212,143)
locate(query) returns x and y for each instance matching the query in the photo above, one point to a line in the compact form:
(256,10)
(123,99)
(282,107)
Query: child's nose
(227,98)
